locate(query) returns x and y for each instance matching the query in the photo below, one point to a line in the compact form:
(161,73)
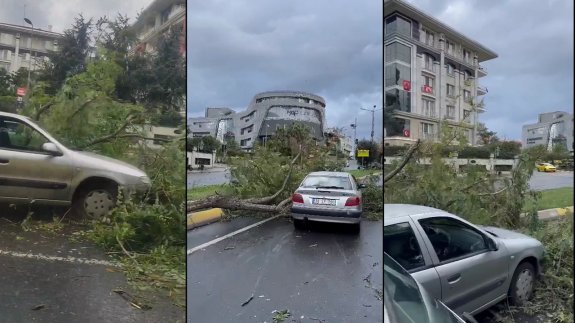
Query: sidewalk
(216,169)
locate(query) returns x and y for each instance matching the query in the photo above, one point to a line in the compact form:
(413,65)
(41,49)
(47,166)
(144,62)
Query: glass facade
(396,73)
(399,25)
(396,99)
(398,51)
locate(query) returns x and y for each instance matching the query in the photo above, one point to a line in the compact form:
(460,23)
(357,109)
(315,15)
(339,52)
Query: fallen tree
(258,204)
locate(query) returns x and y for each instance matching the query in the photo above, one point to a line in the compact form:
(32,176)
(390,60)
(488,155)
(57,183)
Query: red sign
(21,91)
(427,89)
(405,133)
(406,85)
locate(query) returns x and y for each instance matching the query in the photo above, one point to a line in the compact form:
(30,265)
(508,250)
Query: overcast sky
(330,48)
(60,14)
(534,41)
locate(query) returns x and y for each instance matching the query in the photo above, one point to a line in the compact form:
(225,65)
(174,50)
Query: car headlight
(145,180)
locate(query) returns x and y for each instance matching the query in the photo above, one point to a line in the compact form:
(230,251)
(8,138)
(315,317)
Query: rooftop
(483,53)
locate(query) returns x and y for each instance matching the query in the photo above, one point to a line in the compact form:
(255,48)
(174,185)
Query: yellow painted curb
(565,210)
(197,219)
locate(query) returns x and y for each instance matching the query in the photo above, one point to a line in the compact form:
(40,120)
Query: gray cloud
(333,49)
(534,70)
(61,14)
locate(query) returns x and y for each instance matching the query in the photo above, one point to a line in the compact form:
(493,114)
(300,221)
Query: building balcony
(481,90)
(481,71)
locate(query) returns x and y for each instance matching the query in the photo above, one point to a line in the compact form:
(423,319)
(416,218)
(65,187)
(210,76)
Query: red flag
(406,85)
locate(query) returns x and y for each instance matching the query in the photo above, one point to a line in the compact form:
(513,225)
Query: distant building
(24,46)
(267,112)
(157,19)
(552,128)
(432,74)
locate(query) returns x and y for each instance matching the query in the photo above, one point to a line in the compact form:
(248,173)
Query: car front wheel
(522,284)
(95,202)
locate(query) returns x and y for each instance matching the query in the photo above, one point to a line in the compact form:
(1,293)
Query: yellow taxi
(545,167)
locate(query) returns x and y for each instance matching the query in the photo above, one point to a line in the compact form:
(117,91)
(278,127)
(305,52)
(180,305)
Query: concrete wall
(194,158)
(491,165)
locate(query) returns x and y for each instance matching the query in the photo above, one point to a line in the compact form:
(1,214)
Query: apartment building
(552,128)
(157,19)
(24,46)
(432,74)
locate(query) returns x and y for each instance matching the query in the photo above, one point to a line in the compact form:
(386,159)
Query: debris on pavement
(38,307)
(313,245)
(248,300)
(131,299)
(229,248)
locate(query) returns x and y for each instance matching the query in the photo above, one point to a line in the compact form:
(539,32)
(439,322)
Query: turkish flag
(406,85)
(405,133)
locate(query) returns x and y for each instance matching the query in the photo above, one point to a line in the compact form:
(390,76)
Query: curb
(551,214)
(201,218)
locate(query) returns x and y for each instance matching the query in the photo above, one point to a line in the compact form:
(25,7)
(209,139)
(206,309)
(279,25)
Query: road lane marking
(209,243)
(68,259)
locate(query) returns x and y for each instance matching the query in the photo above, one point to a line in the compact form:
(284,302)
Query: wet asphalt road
(325,272)
(35,288)
(545,181)
(208,178)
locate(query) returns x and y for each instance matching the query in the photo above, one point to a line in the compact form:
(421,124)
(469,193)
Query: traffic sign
(21,91)
(362,153)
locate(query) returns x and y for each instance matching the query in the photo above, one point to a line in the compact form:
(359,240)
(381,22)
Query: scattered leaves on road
(38,307)
(280,316)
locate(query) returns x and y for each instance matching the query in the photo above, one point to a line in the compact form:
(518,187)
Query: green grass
(364,172)
(196,193)
(554,198)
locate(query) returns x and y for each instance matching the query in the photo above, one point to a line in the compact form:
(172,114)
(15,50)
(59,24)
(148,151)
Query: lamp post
(372,119)
(29,22)
(354,126)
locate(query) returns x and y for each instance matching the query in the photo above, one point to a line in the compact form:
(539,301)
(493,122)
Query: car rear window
(328,182)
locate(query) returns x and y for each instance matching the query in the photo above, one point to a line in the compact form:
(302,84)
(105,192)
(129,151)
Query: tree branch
(43,109)
(268,199)
(127,135)
(406,159)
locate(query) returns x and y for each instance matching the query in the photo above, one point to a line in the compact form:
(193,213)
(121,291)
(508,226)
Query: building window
(466,56)
(398,51)
(450,69)
(397,127)
(428,83)
(450,48)
(466,96)
(396,73)
(428,107)
(397,99)
(466,115)
(450,90)
(427,130)
(247,129)
(428,37)
(398,24)
(450,112)
(429,62)
(245,142)
(467,76)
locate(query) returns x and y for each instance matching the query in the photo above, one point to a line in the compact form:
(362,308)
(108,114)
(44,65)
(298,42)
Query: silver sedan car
(36,167)
(468,267)
(328,197)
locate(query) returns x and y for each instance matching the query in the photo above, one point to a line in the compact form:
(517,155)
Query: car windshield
(406,303)
(328,182)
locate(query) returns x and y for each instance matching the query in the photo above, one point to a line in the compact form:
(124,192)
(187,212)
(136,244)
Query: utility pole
(354,126)
(372,119)
(28,21)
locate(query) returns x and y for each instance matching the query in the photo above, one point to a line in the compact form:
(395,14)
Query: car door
(471,275)
(403,243)
(27,172)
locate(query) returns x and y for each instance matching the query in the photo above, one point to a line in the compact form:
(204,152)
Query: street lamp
(372,119)
(29,22)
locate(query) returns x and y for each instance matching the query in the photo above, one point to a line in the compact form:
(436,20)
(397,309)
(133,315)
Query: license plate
(323,202)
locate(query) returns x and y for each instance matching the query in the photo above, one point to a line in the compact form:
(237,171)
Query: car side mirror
(51,149)
(492,244)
